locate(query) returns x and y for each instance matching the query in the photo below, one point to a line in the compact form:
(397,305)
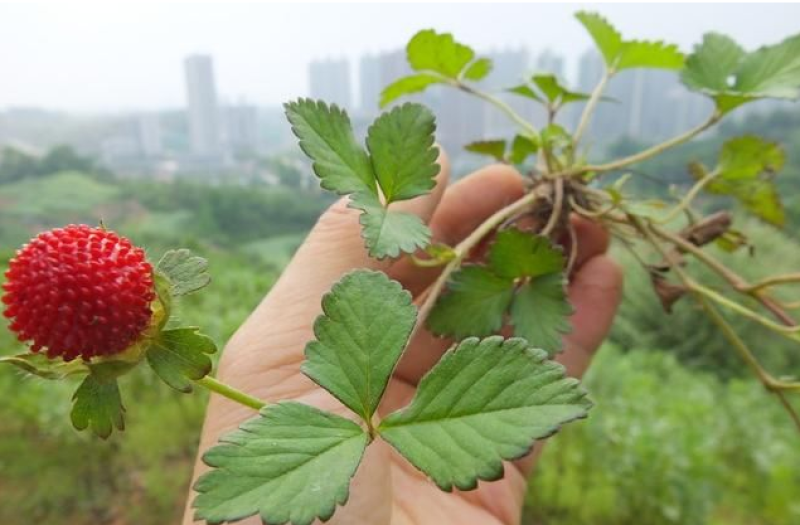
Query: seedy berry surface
(78,291)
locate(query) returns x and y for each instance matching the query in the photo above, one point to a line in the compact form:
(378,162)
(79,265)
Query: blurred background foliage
(680,433)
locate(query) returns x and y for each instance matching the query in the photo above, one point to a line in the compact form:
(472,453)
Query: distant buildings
(203,111)
(329,80)
(376,71)
(241,128)
(150,141)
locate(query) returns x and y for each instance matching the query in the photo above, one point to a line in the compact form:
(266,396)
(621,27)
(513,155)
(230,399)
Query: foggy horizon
(106,58)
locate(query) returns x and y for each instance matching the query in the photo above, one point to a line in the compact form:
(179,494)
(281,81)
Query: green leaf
(40,365)
(474,303)
(525,90)
(478,69)
(366,322)
(557,92)
(180,356)
(389,232)
(712,63)
(185,272)
(772,71)
(517,254)
(655,55)
(620,54)
(521,148)
(403,156)
(721,69)
(440,53)
(326,136)
(291,464)
(97,404)
(745,171)
(493,148)
(607,39)
(407,86)
(485,402)
(540,312)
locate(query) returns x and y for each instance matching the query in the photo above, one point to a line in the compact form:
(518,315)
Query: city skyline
(263,50)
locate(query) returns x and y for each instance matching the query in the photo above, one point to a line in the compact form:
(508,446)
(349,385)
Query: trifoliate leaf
(438,59)
(40,365)
(540,312)
(326,136)
(291,464)
(97,404)
(517,254)
(403,156)
(745,171)
(620,54)
(493,148)
(474,303)
(478,69)
(185,272)
(389,232)
(403,160)
(407,86)
(478,297)
(521,148)
(486,401)
(180,356)
(367,319)
(721,69)
(440,53)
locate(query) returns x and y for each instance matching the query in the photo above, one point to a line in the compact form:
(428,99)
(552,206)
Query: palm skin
(264,356)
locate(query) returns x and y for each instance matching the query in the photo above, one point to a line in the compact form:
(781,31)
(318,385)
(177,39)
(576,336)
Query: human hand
(263,358)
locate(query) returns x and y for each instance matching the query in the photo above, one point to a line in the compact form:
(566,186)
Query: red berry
(79,291)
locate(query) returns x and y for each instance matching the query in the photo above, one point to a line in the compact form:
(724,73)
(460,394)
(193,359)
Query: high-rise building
(375,73)
(201,94)
(149,131)
(550,62)
(329,80)
(241,127)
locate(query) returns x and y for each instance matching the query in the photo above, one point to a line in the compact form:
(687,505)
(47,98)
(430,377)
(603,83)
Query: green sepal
(180,356)
(97,404)
(41,366)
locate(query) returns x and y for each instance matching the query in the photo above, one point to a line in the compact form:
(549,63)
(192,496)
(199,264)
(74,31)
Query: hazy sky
(120,56)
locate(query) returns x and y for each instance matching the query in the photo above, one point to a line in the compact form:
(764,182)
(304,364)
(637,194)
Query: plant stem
(465,246)
(789,331)
(588,110)
(686,201)
(737,282)
(231,393)
(558,205)
(502,106)
(655,150)
(788,278)
(769,382)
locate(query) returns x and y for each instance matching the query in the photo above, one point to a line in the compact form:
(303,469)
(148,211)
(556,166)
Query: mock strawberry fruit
(79,291)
